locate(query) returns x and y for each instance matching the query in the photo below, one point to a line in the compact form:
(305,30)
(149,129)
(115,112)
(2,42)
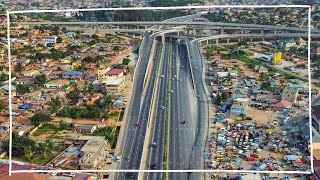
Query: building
(115,73)
(102,73)
(32,96)
(54,84)
(50,40)
(84,128)
(239,106)
(72,74)
(290,94)
(93,153)
(280,105)
(4,90)
(114,85)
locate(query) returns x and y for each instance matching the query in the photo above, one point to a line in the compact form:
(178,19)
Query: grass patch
(46,128)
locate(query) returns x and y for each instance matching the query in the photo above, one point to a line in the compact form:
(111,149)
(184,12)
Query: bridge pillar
(207,42)
(163,39)
(133,36)
(242,31)
(228,40)
(262,38)
(250,39)
(222,31)
(217,41)
(178,33)
(239,40)
(262,32)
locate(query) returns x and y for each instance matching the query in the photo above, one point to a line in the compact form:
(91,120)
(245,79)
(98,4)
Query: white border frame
(161,8)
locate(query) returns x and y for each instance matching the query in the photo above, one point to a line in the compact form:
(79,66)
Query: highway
(182,120)
(155,155)
(138,114)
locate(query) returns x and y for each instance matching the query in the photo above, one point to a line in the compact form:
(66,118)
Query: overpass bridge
(187,24)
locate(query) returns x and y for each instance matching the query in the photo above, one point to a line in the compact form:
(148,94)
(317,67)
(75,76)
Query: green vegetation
(27,149)
(114,114)
(2,105)
(55,104)
(73,96)
(51,128)
(109,133)
(126,61)
(75,113)
(39,118)
(40,80)
(22,89)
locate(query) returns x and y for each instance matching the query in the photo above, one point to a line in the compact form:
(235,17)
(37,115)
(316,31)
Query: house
(260,69)
(70,34)
(240,93)
(98,86)
(102,73)
(85,129)
(215,56)
(54,84)
(239,106)
(32,96)
(72,74)
(115,73)
(76,64)
(50,40)
(4,90)
(24,81)
(93,152)
(280,105)
(290,94)
(114,85)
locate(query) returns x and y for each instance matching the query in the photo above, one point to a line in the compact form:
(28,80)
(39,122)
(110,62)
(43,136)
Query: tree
(41,79)
(39,118)
(22,89)
(73,96)
(62,125)
(243,116)
(2,106)
(59,39)
(125,61)
(115,49)
(55,104)
(19,67)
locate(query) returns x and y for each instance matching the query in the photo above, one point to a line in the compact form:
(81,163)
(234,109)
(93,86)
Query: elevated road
(173,23)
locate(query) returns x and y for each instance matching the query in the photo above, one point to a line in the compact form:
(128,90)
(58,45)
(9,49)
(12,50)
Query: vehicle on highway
(154,166)
(154,145)
(162,76)
(138,125)
(171,91)
(162,107)
(183,122)
(130,175)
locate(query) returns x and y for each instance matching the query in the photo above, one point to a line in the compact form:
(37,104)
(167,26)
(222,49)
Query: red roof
(281,104)
(114,71)
(15,167)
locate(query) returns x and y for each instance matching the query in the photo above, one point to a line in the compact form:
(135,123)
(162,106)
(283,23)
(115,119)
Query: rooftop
(113,81)
(72,73)
(115,71)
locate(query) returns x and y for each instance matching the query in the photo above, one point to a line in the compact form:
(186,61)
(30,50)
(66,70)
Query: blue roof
(24,106)
(70,33)
(72,73)
(295,85)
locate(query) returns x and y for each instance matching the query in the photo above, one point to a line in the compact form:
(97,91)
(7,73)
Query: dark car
(249,118)
(130,175)
(153,166)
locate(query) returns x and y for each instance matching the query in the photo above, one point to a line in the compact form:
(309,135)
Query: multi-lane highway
(138,113)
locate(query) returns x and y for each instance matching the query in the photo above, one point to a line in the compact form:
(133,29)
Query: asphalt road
(181,130)
(155,155)
(138,114)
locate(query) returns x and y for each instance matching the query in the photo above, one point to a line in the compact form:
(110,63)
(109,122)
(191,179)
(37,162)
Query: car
(249,118)
(138,125)
(172,79)
(183,122)
(162,76)
(171,91)
(130,175)
(162,107)
(153,166)
(154,145)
